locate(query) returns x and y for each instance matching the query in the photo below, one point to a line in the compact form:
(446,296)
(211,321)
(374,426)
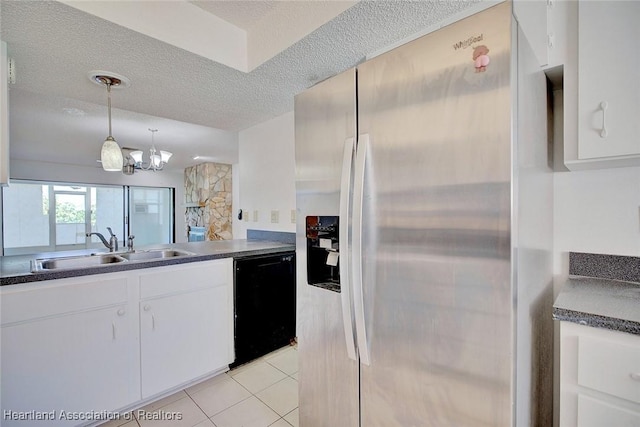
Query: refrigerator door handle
(358,291)
(345,274)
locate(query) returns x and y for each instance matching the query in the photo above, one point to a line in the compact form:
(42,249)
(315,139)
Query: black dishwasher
(265,304)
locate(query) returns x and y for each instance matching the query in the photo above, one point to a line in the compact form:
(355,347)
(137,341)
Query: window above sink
(42,216)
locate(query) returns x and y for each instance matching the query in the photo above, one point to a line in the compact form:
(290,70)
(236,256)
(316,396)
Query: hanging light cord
(152,151)
(153,145)
(108,83)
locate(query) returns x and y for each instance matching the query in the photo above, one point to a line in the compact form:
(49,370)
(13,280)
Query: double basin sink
(96,260)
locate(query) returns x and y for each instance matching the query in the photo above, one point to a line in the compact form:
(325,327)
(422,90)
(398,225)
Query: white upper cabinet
(4,115)
(546,24)
(608,91)
(532,17)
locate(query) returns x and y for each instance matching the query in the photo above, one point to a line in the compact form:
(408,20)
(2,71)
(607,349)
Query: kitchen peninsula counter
(17,269)
(603,292)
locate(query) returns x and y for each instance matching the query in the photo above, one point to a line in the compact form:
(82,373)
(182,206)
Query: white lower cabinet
(186,328)
(75,357)
(599,377)
(105,342)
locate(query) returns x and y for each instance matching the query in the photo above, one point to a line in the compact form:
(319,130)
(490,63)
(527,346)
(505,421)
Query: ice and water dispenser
(322,252)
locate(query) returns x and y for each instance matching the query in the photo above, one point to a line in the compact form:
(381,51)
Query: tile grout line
(237,403)
(240,401)
(267,361)
(279,419)
(275,367)
(289,412)
(198,406)
(257,397)
(282,372)
(254,395)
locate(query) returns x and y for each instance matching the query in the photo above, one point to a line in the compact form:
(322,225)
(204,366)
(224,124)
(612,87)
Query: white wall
(266,176)
(42,171)
(596,211)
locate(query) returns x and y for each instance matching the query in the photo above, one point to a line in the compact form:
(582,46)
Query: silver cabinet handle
(121,312)
(603,106)
(358,291)
(113,329)
(345,273)
(147,307)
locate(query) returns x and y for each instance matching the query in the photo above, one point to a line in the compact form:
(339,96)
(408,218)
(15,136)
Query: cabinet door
(75,362)
(598,370)
(532,17)
(596,413)
(609,94)
(183,337)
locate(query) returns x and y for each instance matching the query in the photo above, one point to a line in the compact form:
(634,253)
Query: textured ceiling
(54,47)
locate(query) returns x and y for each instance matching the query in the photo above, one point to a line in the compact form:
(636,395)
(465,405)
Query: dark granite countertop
(17,269)
(608,300)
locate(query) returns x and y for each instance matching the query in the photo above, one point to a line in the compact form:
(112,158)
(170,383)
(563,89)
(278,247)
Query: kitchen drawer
(185,278)
(595,413)
(610,367)
(62,296)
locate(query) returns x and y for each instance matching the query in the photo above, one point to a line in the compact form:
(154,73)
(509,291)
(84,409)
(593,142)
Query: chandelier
(157,158)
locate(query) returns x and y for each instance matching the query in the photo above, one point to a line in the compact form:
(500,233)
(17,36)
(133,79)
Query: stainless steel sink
(99,259)
(154,254)
(75,262)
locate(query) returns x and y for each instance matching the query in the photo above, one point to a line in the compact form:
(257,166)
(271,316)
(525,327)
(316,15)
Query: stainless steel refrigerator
(424,198)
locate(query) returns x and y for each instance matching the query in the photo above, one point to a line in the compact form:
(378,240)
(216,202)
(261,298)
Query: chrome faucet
(130,242)
(112,245)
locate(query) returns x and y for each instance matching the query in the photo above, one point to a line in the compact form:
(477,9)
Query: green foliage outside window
(68,213)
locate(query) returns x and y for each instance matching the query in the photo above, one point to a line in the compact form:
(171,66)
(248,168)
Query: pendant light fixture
(111,154)
(157,159)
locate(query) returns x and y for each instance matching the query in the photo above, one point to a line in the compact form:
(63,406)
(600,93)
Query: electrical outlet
(255,216)
(293,216)
(275,217)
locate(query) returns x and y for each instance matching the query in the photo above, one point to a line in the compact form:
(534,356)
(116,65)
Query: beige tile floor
(261,393)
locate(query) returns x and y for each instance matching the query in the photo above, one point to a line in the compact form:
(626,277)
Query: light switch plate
(275,217)
(293,216)
(255,216)
(245,216)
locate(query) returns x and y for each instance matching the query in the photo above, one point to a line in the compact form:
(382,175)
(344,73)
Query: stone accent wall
(209,186)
